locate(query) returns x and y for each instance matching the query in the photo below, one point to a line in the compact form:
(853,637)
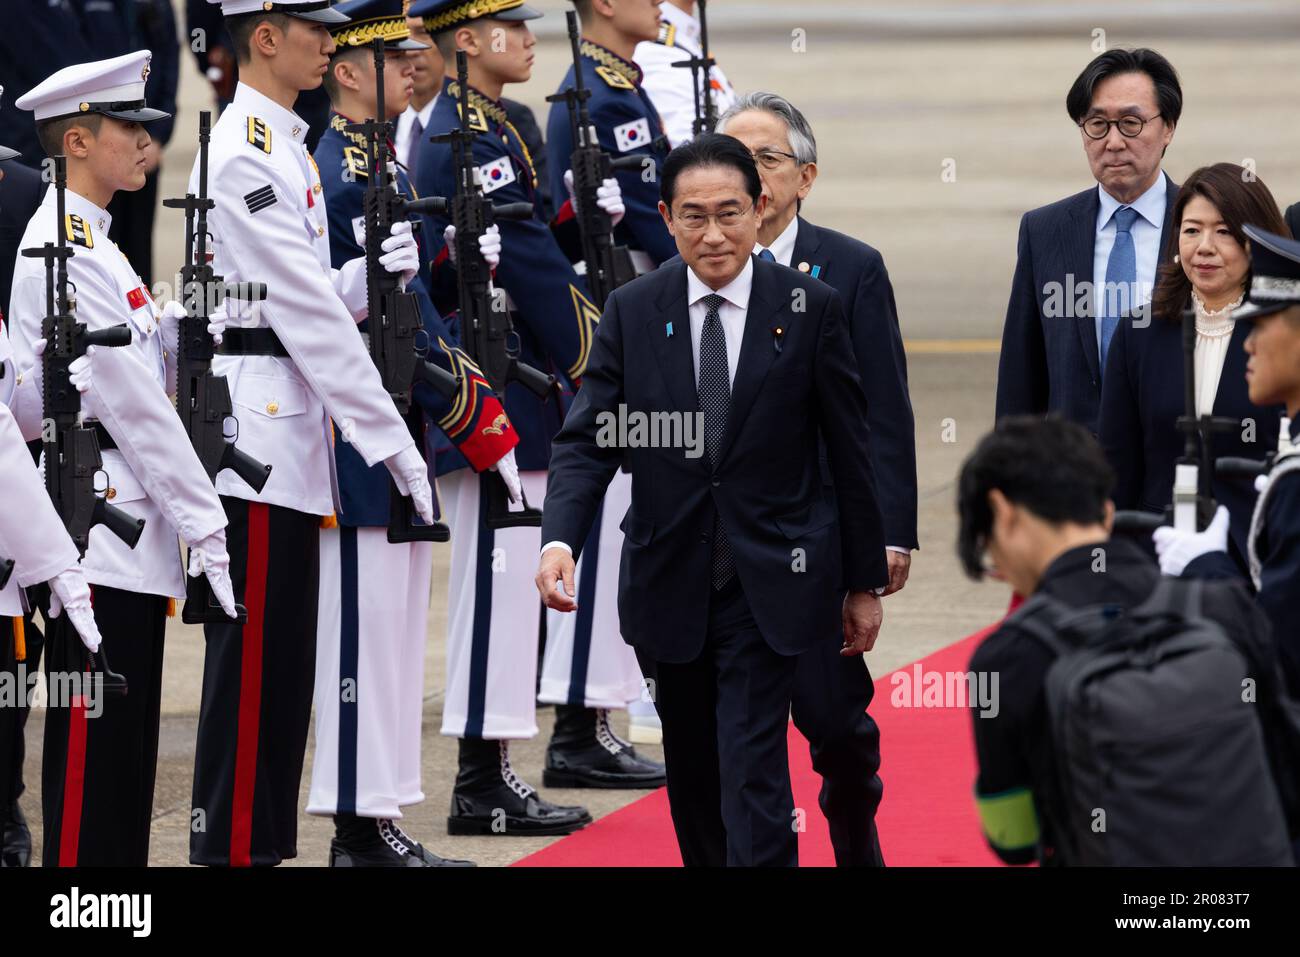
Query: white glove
(68,589)
(412,478)
(1177,549)
(209,557)
(172,314)
(489,245)
(609,197)
(401,254)
(79,369)
(508,469)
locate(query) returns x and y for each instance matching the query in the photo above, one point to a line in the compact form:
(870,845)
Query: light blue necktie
(1121,277)
(766,254)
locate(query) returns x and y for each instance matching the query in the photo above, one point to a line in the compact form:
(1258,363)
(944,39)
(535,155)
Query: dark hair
(50,133)
(1051,466)
(709,149)
(241,27)
(1241,198)
(1169,93)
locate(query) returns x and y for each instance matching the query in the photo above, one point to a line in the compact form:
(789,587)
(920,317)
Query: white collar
(782,248)
(77,205)
(285,122)
(686,24)
(1150,205)
(735,292)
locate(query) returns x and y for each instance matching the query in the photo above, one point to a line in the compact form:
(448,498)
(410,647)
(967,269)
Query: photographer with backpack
(1140,720)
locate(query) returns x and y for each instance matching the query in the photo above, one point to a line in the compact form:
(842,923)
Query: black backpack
(1160,759)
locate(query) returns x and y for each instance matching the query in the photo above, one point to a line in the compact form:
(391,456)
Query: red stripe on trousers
(250,687)
(74,777)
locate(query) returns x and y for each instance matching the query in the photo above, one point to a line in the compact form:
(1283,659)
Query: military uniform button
(316,188)
(111,493)
(272,407)
(320,230)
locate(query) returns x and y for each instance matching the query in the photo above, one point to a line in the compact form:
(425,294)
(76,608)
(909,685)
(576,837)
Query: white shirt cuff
(556,545)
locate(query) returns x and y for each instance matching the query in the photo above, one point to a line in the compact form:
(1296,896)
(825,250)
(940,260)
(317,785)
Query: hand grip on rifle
(118,521)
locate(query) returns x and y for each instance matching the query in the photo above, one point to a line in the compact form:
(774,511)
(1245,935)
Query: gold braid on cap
(360,34)
(472,10)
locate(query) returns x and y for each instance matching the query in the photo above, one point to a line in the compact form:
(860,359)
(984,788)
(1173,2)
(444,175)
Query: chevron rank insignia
(615,79)
(259,199)
(354,160)
(588,318)
(78,232)
(633,135)
(496,174)
(259,135)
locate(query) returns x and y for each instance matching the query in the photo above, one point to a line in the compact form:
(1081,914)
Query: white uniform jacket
(671,88)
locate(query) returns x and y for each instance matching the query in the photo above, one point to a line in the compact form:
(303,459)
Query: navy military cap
(442,15)
(318,11)
(371,20)
(1274,275)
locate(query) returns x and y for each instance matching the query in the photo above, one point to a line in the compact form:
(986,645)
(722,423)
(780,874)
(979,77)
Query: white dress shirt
(405,125)
(1150,207)
(782,248)
(1213,338)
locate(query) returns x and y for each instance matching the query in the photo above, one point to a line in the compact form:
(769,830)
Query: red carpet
(927,816)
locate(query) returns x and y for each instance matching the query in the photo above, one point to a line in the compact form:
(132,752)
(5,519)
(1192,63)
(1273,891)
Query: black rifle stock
(608,265)
(396,337)
(202,398)
(487,335)
(706,111)
(71,448)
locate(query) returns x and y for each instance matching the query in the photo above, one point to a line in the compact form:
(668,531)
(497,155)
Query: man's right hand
(69,591)
(411,476)
(555,580)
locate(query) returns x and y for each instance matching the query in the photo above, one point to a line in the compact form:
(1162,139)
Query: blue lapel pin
(816,271)
(669,330)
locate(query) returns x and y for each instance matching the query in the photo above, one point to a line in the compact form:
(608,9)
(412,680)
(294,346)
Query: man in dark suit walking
(734,562)
(1083,262)
(831,692)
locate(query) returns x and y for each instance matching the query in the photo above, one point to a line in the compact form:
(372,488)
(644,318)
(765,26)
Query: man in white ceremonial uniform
(98,776)
(294,363)
(673,89)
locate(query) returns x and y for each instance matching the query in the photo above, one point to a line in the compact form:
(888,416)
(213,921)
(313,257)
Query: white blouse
(1213,336)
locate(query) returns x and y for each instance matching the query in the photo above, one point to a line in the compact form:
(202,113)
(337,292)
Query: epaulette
(77,231)
(667,34)
(354,158)
(259,134)
(613,69)
(480,108)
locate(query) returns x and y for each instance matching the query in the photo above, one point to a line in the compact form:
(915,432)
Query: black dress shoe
(419,850)
(17,849)
(489,798)
(585,753)
(369,842)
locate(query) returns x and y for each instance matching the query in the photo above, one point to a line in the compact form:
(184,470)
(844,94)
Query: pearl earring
(1175,257)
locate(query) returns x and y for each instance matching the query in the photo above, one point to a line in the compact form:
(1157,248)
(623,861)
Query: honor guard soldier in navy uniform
(98,775)
(675,90)
(625,120)
(493,620)
(374,597)
(1273,377)
(294,365)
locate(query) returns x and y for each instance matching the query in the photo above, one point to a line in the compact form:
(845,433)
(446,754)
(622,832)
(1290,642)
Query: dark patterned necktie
(715,401)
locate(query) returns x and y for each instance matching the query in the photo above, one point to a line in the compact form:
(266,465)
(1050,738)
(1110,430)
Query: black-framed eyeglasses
(693,221)
(1098,127)
(771,159)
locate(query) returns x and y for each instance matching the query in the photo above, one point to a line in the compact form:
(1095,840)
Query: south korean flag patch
(496,174)
(632,135)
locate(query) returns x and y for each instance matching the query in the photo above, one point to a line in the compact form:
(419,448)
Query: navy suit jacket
(20,196)
(1143,397)
(857,272)
(766,484)
(1049,363)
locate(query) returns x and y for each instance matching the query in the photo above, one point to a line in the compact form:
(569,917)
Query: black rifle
(706,111)
(396,336)
(487,335)
(72,456)
(608,265)
(6,569)
(1192,506)
(203,399)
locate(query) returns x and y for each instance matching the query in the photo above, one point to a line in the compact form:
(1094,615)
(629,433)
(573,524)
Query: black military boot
(419,850)
(369,842)
(586,753)
(17,848)
(489,798)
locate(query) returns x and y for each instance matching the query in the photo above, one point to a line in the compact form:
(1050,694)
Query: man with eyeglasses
(832,693)
(1086,261)
(734,561)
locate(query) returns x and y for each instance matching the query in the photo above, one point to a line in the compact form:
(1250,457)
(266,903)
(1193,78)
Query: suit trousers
(831,695)
(101,752)
(257,689)
(725,717)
